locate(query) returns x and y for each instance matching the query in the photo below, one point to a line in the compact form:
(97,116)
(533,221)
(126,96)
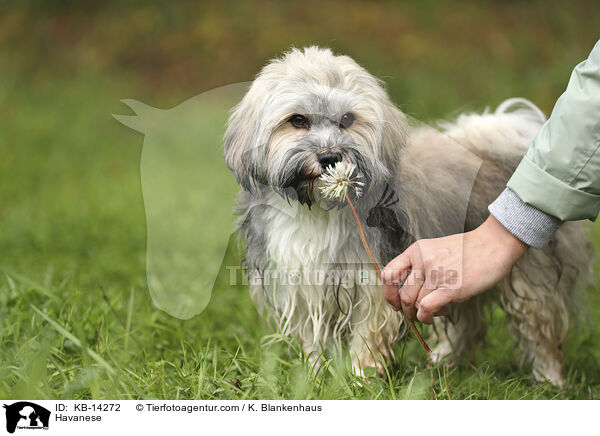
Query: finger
(409,292)
(390,293)
(398,268)
(444,311)
(392,275)
(434,303)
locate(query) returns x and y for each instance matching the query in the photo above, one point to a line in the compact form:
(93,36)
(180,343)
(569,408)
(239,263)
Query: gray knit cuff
(527,223)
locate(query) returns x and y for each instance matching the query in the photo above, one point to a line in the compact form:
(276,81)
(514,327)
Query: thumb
(433,303)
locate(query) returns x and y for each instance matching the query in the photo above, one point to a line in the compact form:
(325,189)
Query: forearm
(560,174)
(558,179)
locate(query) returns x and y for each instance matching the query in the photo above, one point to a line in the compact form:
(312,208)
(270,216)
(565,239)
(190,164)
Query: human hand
(436,272)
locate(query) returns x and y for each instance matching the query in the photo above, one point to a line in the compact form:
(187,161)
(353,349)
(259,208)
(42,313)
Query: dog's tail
(522,107)
(519,121)
(501,136)
(523,116)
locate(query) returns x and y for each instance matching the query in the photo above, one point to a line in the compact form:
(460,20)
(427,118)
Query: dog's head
(305,111)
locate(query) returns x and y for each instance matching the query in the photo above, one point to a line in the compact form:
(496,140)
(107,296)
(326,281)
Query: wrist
(501,241)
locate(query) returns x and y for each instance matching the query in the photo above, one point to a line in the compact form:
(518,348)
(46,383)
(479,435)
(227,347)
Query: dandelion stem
(368,250)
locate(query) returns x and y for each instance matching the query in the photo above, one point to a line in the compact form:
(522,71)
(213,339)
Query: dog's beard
(297,176)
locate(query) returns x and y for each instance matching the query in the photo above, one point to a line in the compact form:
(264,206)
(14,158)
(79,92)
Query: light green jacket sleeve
(560,174)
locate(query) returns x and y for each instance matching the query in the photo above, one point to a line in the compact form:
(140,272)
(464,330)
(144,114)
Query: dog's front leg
(375,327)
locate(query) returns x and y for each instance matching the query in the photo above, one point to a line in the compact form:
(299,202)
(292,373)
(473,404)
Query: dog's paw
(315,361)
(551,376)
(442,354)
(364,370)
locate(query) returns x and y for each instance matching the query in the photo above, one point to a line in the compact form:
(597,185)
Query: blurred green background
(76,320)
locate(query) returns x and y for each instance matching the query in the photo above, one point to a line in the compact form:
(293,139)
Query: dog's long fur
(420,182)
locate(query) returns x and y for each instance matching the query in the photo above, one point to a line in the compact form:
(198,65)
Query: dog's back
(465,165)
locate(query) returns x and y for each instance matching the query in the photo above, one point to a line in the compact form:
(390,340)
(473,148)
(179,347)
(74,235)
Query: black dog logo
(26,415)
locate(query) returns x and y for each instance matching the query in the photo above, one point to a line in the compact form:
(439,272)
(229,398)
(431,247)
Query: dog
(309,272)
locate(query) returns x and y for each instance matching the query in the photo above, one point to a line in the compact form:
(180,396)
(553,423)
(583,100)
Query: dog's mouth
(307,173)
(303,180)
(306,189)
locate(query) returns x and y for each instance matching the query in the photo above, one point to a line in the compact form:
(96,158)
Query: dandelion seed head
(336,180)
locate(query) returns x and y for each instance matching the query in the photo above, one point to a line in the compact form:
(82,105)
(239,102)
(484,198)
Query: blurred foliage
(434,55)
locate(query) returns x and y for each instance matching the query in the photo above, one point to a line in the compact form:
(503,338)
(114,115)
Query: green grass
(76,318)
(73,232)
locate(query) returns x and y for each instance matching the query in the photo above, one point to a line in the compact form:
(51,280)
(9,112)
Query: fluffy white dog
(309,271)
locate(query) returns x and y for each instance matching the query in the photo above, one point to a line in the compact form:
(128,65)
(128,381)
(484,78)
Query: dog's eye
(347,120)
(299,121)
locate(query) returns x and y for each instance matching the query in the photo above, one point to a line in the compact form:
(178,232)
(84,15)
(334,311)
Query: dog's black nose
(329,158)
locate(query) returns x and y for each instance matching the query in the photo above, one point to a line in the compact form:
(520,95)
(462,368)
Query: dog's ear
(395,133)
(242,142)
